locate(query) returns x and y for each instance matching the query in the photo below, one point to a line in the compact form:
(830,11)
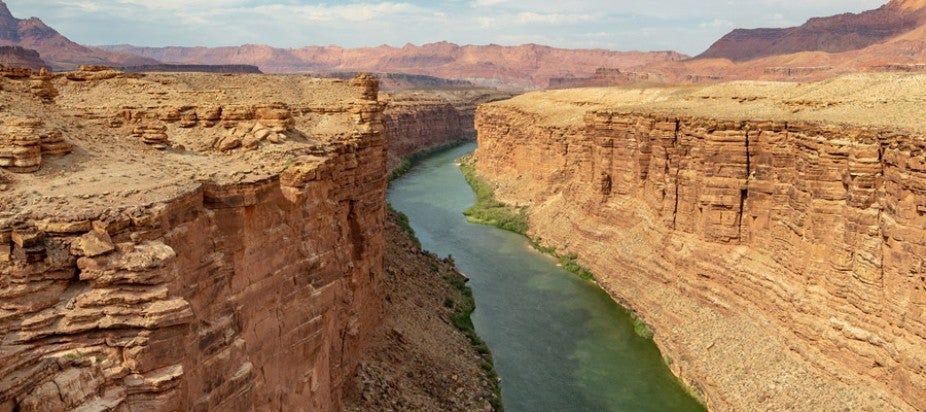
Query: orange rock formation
(772,234)
(210,243)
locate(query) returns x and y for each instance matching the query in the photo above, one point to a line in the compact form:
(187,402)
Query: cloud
(487,3)
(689,27)
(717,24)
(356,12)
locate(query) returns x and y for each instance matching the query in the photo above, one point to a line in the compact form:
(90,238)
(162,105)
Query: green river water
(560,343)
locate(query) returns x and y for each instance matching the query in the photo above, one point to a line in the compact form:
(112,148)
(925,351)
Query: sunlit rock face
(771,234)
(188,241)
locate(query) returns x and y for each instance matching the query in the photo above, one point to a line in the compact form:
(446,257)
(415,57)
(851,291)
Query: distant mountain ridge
(55,49)
(835,34)
(528,65)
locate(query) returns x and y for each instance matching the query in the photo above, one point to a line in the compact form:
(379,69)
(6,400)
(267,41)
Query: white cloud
(487,3)
(687,26)
(357,12)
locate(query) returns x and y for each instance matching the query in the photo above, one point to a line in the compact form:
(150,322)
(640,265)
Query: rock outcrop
(201,276)
(772,235)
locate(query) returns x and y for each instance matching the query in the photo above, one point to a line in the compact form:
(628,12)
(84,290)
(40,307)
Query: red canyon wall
(776,251)
(204,246)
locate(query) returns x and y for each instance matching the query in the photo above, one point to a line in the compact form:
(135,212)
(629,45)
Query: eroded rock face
(417,121)
(140,279)
(779,262)
(23,143)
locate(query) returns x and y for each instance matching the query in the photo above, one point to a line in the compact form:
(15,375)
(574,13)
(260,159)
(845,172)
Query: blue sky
(684,25)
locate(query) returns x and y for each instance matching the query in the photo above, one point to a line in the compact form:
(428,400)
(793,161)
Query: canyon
(419,121)
(770,234)
(191,241)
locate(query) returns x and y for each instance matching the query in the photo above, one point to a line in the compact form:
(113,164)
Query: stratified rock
(20,145)
(152,134)
(766,231)
(93,73)
(93,244)
(132,279)
(42,87)
(278,119)
(53,144)
(420,121)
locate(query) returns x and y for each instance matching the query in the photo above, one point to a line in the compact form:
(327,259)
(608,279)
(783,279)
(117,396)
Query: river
(560,343)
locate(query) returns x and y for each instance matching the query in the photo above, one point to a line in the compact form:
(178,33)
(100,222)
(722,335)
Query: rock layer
(190,279)
(776,253)
(418,121)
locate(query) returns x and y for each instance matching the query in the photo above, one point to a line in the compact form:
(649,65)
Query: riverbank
(426,356)
(488,210)
(558,341)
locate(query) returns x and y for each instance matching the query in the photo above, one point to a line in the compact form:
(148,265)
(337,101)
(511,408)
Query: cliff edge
(187,241)
(770,234)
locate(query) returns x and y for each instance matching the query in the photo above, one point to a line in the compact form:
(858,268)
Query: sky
(688,26)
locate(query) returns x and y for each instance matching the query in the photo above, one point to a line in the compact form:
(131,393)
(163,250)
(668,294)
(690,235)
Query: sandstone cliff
(772,235)
(418,121)
(187,241)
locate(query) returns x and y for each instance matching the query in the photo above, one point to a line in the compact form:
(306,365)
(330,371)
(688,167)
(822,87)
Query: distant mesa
(403,81)
(835,34)
(525,66)
(606,77)
(19,57)
(192,68)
